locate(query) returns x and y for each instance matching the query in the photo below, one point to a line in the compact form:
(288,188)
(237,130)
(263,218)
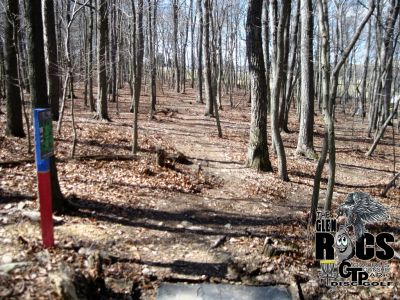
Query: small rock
(195,228)
(147,272)
(43,257)
(228,226)
(186,224)
(21,205)
(8,206)
(270,268)
(82,251)
(9,267)
(7,241)
(57,220)
(64,285)
(161,224)
(6,259)
(313,283)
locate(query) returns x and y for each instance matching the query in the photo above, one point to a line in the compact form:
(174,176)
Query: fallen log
(14,163)
(383,129)
(390,185)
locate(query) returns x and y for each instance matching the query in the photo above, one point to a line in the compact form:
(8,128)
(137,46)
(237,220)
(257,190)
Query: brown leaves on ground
(153,224)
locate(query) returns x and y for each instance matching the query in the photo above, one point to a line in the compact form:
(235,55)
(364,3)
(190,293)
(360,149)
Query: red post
(46,209)
(43,151)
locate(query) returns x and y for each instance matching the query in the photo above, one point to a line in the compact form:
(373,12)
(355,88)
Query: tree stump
(160,157)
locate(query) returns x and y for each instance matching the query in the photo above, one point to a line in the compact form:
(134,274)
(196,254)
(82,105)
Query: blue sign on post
(43,138)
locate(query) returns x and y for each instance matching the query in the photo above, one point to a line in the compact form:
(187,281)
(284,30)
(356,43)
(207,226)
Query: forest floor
(203,221)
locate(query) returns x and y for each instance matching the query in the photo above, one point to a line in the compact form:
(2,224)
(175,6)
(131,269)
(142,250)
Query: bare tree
(305,141)
(276,90)
(210,97)
(329,82)
(257,155)
(152,54)
(102,29)
(138,68)
(15,125)
(38,86)
(50,41)
(175,12)
(200,50)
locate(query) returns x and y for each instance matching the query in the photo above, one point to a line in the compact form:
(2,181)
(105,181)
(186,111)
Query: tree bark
(305,144)
(102,32)
(210,97)
(152,41)
(38,86)
(257,155)
(138,68)
(383,129)
(175,10)
(276,90)
(51,57)
(329,83)
(200,50)
(14,125)
(90,60)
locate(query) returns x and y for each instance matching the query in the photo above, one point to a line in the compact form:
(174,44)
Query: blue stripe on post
(43,138)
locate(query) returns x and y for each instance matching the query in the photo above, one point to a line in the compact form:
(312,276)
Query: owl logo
(344,245)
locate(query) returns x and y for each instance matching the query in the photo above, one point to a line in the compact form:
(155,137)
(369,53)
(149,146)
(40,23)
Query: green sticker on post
(46,134)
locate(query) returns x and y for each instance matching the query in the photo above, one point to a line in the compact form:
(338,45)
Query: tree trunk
(102,25)
(14,125)
(265,41)
(383,129)
(363,96)
(305,141)
(200,50)
(138,67)
(285,65)
(207,60)
(257,155)
(175,10)
(38,86)
(329,83)
(90,60)
(276,90)
(192,47)
(152,41)
(51,57)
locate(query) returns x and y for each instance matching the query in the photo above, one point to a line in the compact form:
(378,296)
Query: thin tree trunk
(363,96)
(102,29)
(200,50)
(175,9)
(153,70)
(90,60)
(276,90)
(305,144)
(51,57)
(207,60)
(383,129)
(15,126)
(137,85)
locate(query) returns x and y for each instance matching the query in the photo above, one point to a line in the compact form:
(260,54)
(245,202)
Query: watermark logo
(348,254)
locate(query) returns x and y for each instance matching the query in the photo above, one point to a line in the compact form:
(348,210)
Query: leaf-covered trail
(203,222)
